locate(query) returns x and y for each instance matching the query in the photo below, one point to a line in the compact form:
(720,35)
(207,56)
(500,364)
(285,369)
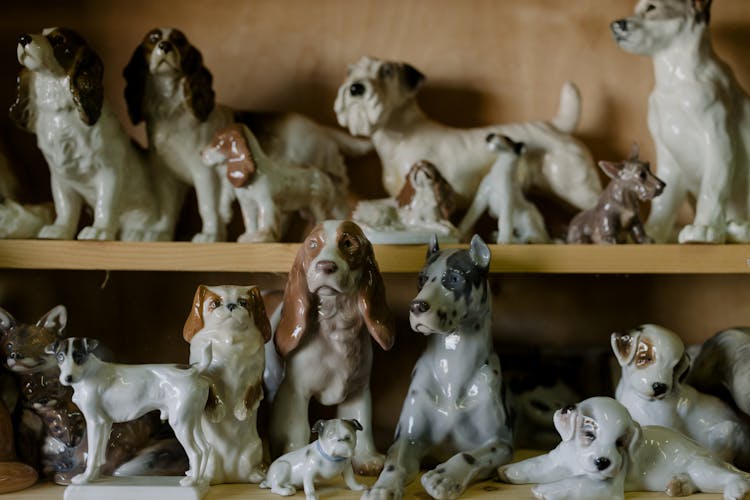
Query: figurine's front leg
(665,207)
(308,482)
(401,467)
(638,232)
(366,461)
(269,219)
(477,208)
(289,429)
(351,480)
(553,466)
(97,434)
(107,208)
(580,488)
(67,209)
(207,191)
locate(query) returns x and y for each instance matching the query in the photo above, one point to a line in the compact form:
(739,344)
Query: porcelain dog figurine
(653,389)
(170,89)
(616,214)
(699,118)
(108,393)
(723,366)
(454,410)
(604,453)
(326,458)
(500,193)
(232,319)
(268,189)
(378,99)
(90,157)
(333,302)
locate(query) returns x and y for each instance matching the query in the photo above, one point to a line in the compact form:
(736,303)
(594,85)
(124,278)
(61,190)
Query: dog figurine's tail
(569,112)
(350,146)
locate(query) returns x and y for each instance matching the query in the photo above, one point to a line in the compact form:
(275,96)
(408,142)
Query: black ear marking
(135,74)
(411,76)
(354,423)
(317,427)
(433,247)
(198,84)
(87,85)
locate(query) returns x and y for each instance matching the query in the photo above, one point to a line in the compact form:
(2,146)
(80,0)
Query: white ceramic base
(135,488)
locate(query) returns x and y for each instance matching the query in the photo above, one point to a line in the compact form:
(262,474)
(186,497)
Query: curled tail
(569,112)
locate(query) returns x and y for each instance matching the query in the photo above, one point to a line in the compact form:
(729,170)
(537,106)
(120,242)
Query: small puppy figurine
(325,458)
(232,319)
(108,392)
(617,213)
(723,365)
(90,157)
(268,189)
(605,453)
(500,193)
(653,389)
(454,410)
(694,92)
(333,302)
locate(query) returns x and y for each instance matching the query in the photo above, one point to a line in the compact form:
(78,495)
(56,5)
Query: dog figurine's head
(658,25)
(602,434)
(23,346)
(453,288)
(72,356)
(424,176)
(63,421)
(229,149)
(167,53)
(60,53)
(337,437)
(653,360)
(504,144)
(227,307)
(634,175)
(372,89)
(336,259)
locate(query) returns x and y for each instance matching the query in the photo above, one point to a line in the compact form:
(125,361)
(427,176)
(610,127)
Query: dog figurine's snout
(357,89)
(165,46)
(602,463)
(24,40)
(232,306)
(69,379)
(327,266)
(419,307)
(659,388)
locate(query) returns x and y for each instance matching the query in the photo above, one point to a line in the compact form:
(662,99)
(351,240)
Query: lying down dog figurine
(604,453)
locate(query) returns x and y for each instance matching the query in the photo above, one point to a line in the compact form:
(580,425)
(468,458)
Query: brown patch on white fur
(645,355)
(194,322)
(443,192)
(231,143)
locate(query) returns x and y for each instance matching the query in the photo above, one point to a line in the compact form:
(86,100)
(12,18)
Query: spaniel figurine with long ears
(333,302)
(170,89)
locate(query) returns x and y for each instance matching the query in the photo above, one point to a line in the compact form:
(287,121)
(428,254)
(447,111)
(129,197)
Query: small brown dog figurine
(616,212)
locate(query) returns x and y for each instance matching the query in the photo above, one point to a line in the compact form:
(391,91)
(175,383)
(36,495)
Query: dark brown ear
(610,168)
(21,112)
(194,322)
(135,74)
(411,76)
(295,308)
(318,427)
(624,346)
(404,197)
(241,166)
(702,10)
(372,304)
(87,85)
(198,84)
(444,194)
(681,369)
(258,310)
(354,423)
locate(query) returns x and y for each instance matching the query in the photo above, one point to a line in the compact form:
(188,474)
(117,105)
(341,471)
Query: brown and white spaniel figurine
(170,89)
(333,302)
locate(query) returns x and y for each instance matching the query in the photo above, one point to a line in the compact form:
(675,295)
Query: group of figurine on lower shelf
(279,165)
(81,416)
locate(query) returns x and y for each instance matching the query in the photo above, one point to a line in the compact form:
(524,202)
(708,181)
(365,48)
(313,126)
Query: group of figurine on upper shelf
(281,165)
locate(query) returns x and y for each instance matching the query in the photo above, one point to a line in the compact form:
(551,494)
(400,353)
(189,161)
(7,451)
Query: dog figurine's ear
(295,307)
(635,152)
(633,439)
(53,347)
(433,247)
(682,368)
(90,344)
(624,346)
(55,320)
(372,304)
(135,74)
(21,112)
(566,422)
(610,168)
(87,85)
(702,10)
(354,423)
(412,77)
(258,310)
(194,322)
(318,427)
(240,161)
(480,252)
(7,321)
(198,84)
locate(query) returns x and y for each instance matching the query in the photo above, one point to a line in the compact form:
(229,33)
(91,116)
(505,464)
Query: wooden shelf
(278,257)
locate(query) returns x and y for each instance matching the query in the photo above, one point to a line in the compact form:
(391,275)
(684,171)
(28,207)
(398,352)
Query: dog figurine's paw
(56,232)
(380,493)
(206,238)
(701,234)
(311,497)
(502,473)
(256,476)
(266,236)
(438,484)
(130,234)
(738,232)
(736,490)
(370,465)
(96,233)
(82,478)
(680,486)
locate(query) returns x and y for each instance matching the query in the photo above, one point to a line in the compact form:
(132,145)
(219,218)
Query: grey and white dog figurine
(699,118)
(605,453)
(328,457)
(454,409)
(379,99)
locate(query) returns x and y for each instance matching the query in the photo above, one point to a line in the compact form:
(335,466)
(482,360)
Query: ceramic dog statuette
(14,475)
(326,458)
(723,364)
(616,214)
(107,393)
(699,118)
(269,190)
(378,99)
(91,159)
(422,208)
(604,453)
(653,389)
(500,193)
(454,410)
(232,319)
(334,301)
(170,89)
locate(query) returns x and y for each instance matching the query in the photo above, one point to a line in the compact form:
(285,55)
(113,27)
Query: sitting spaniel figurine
(325,458)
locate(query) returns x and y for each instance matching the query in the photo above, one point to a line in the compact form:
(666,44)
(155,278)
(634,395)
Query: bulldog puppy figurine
(699,118)
(325,458)
(653,389)
(605,453)
(378,99)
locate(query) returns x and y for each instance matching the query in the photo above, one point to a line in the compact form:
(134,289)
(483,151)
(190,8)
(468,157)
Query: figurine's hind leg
(714,476)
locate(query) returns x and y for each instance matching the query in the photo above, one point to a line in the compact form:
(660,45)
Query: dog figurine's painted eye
(214,304)
(650,7)
(154,36)
(242,302)
(386,71)
(590,436)
(643,176)
(178,38)
(313,244)
(60,357)
(349,244)
(421,280)
(453,280)
(55,40)
(620,442)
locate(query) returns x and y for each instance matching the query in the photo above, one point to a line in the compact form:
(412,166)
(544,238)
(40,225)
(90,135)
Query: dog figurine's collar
(326,455)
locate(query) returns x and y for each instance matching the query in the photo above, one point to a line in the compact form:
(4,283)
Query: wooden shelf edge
(278,257)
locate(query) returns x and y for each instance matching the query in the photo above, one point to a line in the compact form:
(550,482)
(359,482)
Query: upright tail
(569,112)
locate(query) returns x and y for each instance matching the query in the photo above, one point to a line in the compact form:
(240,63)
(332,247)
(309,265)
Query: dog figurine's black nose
(232,306)
(357,89)
(419,307)
(326,266)
(165,46)
(69,379)
(620,24)
(659,388)
(602,463)
(24,40)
